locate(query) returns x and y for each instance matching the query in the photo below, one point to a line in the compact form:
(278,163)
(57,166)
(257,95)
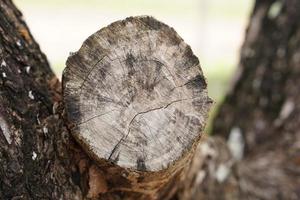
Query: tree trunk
(35,160)
(39,159)
(254,152)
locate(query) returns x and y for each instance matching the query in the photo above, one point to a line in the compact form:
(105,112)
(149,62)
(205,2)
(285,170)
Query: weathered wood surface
(136,96)
(38,158)
(39,161)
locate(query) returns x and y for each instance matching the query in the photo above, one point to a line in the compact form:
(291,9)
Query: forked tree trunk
(39,159)
(163,98)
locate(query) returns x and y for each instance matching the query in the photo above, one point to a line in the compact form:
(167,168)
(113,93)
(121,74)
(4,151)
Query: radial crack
(141,113)
(96,116)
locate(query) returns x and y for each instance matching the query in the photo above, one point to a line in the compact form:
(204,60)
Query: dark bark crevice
(35,163)
(40,160)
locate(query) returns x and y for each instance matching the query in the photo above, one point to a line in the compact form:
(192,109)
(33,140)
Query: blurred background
(213,28)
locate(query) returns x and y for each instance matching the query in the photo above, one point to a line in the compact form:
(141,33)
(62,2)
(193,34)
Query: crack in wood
(96,116)
(89,72)
(141,113)
(145,62)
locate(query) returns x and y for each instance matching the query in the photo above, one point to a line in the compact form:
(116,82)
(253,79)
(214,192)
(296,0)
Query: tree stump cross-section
(136,96)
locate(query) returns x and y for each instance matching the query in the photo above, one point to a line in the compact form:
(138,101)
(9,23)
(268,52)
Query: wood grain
(136,95)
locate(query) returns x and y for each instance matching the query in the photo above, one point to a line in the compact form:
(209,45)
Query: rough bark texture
(34,159)
(135,95)
(264,103)
(258,123)
(38,159)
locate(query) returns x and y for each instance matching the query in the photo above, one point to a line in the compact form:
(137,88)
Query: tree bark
(35,160)
(257,126)
(253,154)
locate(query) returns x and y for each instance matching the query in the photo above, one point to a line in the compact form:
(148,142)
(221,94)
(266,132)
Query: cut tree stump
(136,100)
(39,159)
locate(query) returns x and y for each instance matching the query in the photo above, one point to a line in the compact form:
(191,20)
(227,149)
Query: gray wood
(136,94)
(38,159)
